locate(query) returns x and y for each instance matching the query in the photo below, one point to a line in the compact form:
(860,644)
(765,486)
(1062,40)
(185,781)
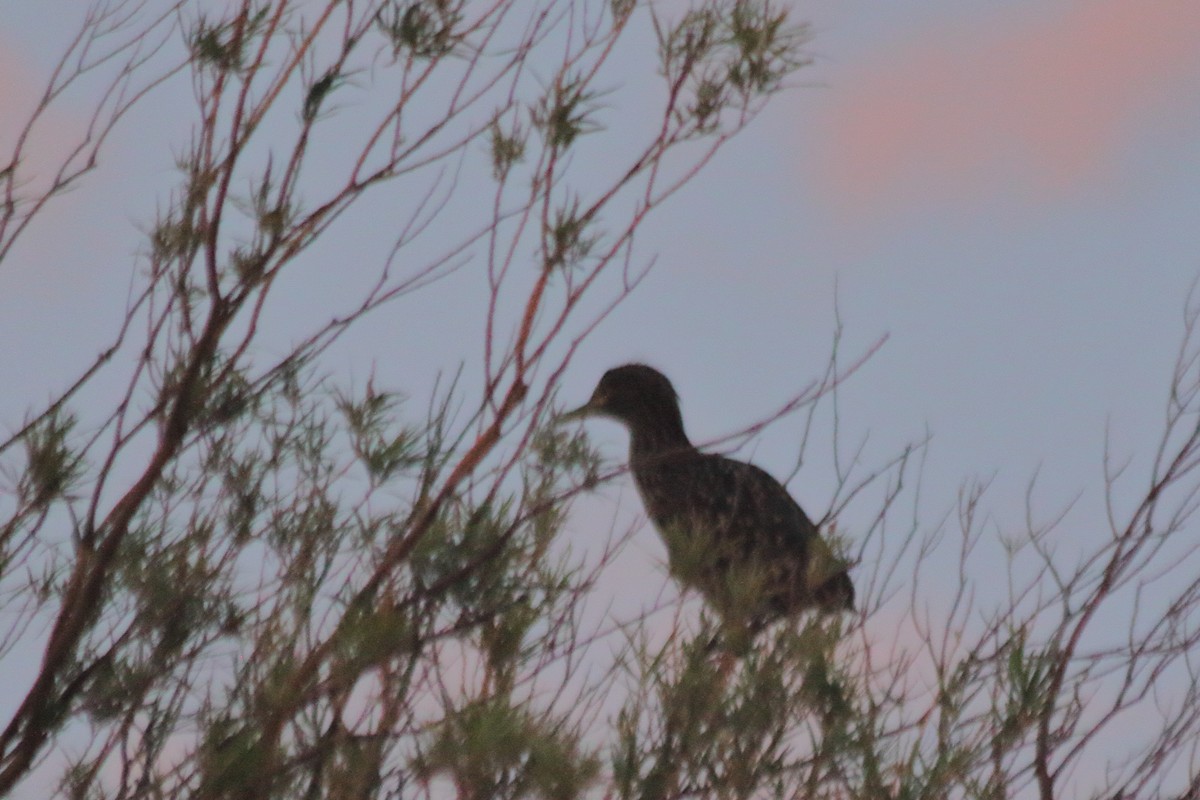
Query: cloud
(57,254)
(18,94)
(1043,99)
(58,128)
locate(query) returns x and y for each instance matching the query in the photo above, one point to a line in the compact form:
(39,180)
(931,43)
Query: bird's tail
(836,593)
(828,578)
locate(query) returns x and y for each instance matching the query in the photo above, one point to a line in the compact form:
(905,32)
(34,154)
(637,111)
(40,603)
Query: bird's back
(731,530)
(735,533)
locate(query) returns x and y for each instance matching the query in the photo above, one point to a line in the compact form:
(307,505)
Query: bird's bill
(596,405)
(583,411)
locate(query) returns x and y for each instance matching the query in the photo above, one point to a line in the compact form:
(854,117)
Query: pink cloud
(21,91)
(49,259)
(1043,99)
(17,93)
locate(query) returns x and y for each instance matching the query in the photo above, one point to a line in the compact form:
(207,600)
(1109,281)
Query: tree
(230,604)
(244,576)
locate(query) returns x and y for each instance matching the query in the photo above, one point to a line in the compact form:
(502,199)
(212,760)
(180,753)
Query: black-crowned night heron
(731,530)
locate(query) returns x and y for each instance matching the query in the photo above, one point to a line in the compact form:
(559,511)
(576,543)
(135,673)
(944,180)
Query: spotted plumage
(731,530)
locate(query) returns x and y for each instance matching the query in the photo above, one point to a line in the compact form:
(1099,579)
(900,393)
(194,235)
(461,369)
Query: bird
(731,530)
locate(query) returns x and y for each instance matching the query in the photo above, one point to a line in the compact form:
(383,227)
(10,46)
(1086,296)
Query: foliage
(247,576)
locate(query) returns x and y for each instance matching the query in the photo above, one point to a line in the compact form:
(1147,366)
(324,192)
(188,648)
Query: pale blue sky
(1024,315)
(1022,320)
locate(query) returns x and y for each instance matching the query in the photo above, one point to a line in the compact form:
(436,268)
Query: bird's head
(637,395)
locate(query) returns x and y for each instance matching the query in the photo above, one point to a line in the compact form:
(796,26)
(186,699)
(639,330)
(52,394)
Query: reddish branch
(35,719)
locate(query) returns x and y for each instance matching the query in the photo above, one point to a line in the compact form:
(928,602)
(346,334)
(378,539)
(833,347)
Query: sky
(1007,192)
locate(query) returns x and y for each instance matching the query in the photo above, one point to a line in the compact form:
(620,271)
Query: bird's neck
(665,438)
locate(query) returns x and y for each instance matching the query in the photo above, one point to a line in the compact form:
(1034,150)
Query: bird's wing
(756,495)
(780,524)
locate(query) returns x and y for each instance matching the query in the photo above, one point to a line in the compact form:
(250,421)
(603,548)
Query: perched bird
(731,530)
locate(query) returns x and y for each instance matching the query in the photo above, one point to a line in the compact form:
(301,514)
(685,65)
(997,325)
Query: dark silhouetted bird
(731,530)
